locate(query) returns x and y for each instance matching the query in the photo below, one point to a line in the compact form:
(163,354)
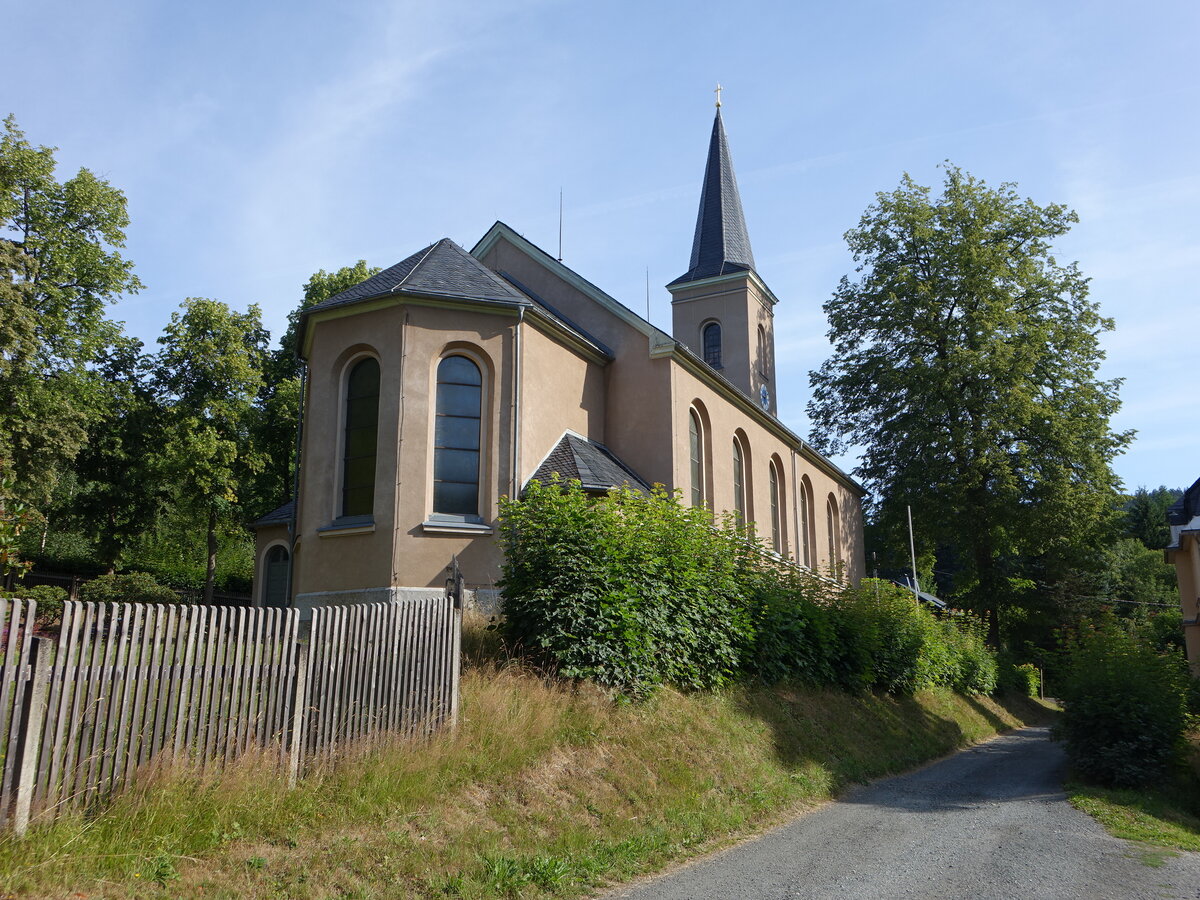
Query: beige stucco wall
(637,421)
(409,340)
(722,420)
(561,390)
(1187,566)
(740,304)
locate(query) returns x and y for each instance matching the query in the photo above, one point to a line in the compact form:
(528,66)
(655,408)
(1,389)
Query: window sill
(348,525)
(456,527)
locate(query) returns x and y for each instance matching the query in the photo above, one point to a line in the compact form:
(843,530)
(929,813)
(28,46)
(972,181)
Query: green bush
(49,599)
(133,587)
(1019,678)
(794,635)
(1124,707)
(634,591)
(627,590)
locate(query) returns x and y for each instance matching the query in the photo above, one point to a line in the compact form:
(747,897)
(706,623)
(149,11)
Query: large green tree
(965,371)
(1146,515)
(209,373)
(120,478)
(59,268)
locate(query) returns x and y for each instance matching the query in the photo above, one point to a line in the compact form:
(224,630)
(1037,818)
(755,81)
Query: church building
(453,378)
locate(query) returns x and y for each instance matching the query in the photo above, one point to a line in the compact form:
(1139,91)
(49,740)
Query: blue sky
(259,142)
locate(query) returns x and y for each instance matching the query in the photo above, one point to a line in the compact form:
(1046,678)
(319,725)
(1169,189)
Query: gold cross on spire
(718,93)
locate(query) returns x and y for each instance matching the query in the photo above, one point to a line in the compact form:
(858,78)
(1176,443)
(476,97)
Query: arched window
(712,344)
(806,514)
(739,481)
(275,577)
(361,436)
(776,531)
(763,361)
(835,542)
(456,438)
(696,450)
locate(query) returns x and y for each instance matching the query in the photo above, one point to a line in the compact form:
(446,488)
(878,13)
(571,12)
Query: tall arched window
(361,436)
(835,541)
(739,481)
(275,577)
(696,450)
(712,344)
(776,531)
(456,438)
(806,513)
(763,362)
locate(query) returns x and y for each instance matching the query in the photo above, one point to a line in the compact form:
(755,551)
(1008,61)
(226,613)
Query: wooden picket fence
(125,684)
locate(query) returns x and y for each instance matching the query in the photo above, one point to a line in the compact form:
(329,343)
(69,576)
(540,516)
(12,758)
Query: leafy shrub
(633,591)
(134,587)
(49,599)
(1019,678)
(627,590)
(976,668)
(794,636)
(1124,707)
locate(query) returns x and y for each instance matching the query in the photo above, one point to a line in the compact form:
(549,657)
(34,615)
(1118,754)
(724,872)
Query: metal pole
(912,549)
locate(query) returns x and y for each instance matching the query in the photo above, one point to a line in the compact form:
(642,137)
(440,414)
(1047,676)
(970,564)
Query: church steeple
(721,244)
(720,307)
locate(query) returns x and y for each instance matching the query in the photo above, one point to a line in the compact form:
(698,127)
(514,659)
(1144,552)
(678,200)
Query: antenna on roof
(647,293)
(560,224)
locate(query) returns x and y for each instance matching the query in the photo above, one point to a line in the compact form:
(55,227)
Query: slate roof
(721,244)
(1186,508)
(594,465)
(442,269)
(280,516)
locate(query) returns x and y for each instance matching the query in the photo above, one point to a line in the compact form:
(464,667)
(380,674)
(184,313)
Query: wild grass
(546,789)
(1163,815)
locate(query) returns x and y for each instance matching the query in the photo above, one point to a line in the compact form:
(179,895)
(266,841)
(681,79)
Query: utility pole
(912,549)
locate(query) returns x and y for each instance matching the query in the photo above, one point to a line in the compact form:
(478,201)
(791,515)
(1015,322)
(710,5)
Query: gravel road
(990,822)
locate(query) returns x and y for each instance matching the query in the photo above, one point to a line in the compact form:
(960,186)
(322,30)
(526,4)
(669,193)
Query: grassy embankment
(1164,816)
(545,789)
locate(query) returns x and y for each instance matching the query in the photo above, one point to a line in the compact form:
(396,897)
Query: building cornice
(719,280)
(546,323)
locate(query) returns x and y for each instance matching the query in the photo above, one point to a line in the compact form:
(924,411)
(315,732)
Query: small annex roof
(721,244)
(936,602)
(281,515)
(597,468)
(443,269)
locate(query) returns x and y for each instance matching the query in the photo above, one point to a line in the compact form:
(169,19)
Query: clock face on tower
(764,398)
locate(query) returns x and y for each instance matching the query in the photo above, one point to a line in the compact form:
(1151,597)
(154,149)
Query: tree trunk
(210,576)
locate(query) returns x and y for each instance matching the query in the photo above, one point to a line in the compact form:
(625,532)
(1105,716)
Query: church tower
(721,309)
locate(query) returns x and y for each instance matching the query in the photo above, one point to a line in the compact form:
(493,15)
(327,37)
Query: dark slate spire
(721,244)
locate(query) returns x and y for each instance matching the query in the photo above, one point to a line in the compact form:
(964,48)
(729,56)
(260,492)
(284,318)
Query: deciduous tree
(59,268)
(965,370)
(209,372)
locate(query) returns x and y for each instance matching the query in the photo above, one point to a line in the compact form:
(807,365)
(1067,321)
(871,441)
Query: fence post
(299,702)
(33,718)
